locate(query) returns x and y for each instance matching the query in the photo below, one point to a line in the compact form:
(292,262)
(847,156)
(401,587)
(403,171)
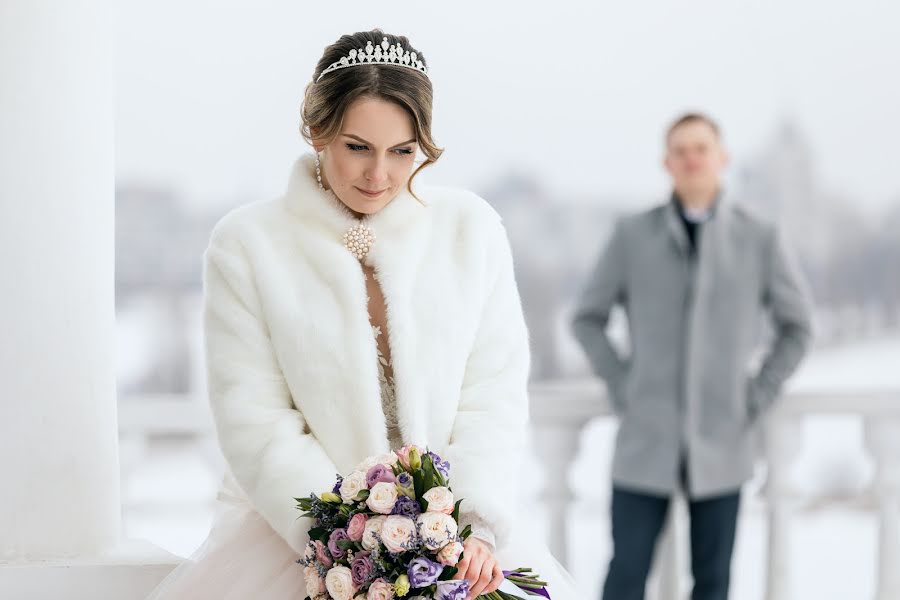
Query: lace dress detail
(388,394)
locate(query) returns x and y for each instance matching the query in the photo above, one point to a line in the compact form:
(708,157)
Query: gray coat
(686,391)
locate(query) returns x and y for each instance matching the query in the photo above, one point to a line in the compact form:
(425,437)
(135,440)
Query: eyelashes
(363,148)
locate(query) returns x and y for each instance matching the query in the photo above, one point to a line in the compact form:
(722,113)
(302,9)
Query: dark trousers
(637,520)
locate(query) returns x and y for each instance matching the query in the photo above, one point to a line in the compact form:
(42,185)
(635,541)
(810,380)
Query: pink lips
(369,194)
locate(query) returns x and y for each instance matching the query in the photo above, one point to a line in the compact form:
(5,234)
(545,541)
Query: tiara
(382,54)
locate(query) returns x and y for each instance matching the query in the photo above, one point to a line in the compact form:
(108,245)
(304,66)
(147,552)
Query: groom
(693,276)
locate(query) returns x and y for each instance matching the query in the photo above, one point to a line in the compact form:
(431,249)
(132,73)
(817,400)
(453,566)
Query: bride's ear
(318,143)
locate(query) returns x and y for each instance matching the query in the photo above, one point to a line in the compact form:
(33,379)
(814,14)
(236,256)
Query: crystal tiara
(382,54)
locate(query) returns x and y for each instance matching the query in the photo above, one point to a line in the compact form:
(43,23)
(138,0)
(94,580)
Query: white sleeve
(264,438)
(489,433)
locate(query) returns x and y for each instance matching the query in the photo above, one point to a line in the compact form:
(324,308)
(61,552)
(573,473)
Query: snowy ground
(168,494)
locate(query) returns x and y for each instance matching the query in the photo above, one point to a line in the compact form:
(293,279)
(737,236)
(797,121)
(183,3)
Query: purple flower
(337,486)
(442,466)
(362,568)
(423,572)
(379,473)
(456,589)
(336,536)
(404,479)
(406,507)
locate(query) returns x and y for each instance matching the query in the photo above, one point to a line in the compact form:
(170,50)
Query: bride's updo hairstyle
(328,96)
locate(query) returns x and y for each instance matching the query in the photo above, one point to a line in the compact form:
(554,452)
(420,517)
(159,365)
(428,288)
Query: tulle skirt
(243,558)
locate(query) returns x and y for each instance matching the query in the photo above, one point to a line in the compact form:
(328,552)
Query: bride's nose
(376,172)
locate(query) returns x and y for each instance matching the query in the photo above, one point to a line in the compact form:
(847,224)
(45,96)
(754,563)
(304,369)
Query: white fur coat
(293,377)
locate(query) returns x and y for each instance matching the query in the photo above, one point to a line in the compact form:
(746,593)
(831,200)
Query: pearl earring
(319,172)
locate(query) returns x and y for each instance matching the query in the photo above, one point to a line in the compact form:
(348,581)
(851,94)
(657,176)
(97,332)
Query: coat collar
(326,213)
(402,235)
(718,220)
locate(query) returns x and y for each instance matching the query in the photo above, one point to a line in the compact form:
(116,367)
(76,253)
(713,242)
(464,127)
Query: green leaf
(428,469)
(456,510)
(466,532)
(319,533)
(418,482)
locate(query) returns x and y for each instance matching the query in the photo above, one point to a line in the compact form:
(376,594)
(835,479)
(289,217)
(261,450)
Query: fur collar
(402,230)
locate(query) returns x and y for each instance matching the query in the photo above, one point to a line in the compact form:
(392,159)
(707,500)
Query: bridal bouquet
(389,529)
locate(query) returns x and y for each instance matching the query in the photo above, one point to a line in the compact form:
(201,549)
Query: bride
(353,315)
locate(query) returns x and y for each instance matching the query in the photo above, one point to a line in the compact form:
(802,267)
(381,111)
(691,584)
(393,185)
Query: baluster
(557,444)
(783,443)
(883,442)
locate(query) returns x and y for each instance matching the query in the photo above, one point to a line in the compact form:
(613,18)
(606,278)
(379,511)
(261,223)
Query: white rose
(315,585)
(352,485)
(380,590)
(397,533)
(440,499)
(339,583)
(388,460)
(449,554)
(382,497)
(367,464)
(373,528)
(436,529)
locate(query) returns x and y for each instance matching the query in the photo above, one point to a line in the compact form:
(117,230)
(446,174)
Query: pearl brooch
(358,240)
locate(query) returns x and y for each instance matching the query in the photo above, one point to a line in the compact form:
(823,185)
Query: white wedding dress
(243,558)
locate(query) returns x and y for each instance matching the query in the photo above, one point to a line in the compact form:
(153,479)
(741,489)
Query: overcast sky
(578,93)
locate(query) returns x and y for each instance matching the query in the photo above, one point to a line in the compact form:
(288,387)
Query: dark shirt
(692,226)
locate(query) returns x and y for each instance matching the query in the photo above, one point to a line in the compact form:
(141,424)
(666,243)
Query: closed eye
(357,147)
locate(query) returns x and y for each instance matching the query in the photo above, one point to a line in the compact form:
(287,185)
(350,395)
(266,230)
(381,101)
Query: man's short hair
(692,117)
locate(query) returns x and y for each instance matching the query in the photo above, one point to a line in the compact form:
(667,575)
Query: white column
(783,442)
(58,446)
(883,442)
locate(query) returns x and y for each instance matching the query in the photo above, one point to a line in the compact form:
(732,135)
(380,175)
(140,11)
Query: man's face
(694,157)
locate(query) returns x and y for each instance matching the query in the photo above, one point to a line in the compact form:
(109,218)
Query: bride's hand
(479,568)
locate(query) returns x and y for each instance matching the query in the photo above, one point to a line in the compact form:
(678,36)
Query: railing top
(576,400)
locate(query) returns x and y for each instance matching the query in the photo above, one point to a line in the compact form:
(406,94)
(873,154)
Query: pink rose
(356,527)
(403,454)
(323,556)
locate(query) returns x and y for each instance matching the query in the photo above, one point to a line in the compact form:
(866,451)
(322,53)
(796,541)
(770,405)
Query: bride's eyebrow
(359,139)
